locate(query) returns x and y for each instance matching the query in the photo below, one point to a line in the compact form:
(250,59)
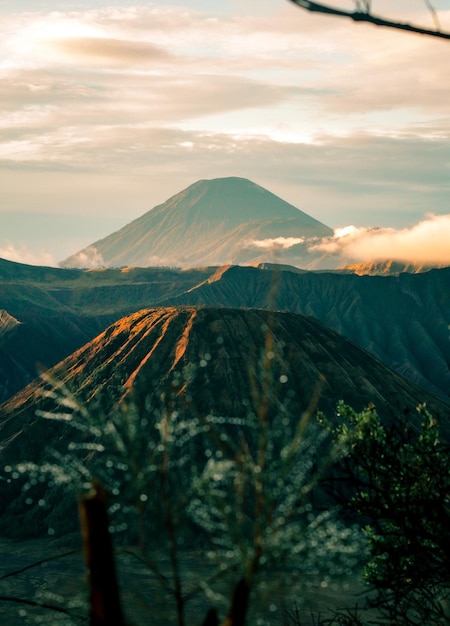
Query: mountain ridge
(211,222)
(403,320)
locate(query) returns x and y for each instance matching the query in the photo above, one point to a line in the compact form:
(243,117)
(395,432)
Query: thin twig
(433,14)
(37,563)
(42,605)
(146,560)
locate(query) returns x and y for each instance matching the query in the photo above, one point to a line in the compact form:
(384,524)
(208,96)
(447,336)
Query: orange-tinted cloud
(110,49)
(427,242)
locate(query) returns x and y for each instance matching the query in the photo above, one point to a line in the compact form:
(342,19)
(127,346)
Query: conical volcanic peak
(223,362)
(233,200)
(212,222)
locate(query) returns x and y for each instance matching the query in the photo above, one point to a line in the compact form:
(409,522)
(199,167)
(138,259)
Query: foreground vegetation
(251,498)
(242,512)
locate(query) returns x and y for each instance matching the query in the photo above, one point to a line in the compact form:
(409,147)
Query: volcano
(212,222)
(223,370)
(215,361)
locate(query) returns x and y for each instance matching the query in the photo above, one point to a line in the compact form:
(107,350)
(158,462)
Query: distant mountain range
(403,320)
(212,222)
(48,313)
(195,336)
(226,221)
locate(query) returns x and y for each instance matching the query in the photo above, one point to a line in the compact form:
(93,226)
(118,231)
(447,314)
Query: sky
(108,108)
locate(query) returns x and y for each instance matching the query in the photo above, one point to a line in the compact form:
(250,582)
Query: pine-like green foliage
(237,491)
(401,480)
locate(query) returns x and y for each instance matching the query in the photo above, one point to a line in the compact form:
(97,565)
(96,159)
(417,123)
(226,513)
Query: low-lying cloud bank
(89,258)
(274,243)
(427,242)
(26,256)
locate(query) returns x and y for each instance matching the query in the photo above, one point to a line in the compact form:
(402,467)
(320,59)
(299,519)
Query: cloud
(285,74)
(89,258)
(283,243)
(427,242)
(338,119)
(104,49)
(24,255)
(33,103)
(121,172)
(406,75)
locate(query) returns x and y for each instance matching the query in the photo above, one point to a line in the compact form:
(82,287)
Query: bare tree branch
(366,16)
(43,605)
(37,563)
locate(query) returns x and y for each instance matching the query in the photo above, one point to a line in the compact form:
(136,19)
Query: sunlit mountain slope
(205,360)
(212,222)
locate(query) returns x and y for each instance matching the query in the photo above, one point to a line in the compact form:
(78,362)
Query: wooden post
(105,608)
(238,610)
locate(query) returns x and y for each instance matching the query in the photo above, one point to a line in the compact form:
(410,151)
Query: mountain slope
(47,313)
(209,360)
(207,370)
(212,222)
(403,320)
(8,323)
